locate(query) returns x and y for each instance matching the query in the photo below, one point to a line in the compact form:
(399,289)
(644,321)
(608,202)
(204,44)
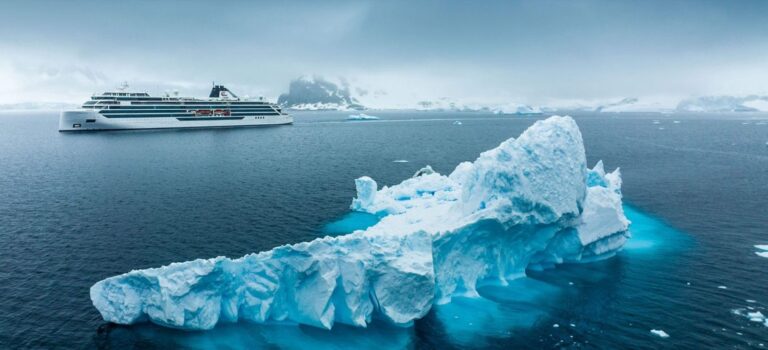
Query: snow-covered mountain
(316,93)
(634,104)
(724,103)
(621,105)
(446,104)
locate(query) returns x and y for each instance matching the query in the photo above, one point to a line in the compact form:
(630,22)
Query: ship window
(76,125)
(90,120)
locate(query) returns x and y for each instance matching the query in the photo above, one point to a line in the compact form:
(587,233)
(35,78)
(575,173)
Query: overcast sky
(522,51)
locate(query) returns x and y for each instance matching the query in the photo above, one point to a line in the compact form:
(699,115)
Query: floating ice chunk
(660,333)
(525,204)
(457,122)
(362,116)
(753,316)
(722,287)
(756,316)
(400,161)
(763,247)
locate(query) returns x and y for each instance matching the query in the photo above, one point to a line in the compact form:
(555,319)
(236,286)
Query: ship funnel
(220,91)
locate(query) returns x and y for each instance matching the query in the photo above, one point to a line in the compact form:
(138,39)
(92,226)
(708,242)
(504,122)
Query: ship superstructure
(118,110)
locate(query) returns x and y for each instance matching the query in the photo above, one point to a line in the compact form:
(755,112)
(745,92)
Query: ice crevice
(530,203)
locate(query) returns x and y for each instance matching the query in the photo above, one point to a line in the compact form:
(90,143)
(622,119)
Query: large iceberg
(530,203)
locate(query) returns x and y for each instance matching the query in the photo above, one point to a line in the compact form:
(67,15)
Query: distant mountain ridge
(316,93)
(37,106)
(724,103)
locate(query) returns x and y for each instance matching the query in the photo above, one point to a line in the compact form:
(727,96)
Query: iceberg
(362,116)
(517,109)
(530,203)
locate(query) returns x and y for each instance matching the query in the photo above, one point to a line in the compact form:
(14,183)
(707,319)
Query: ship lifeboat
(221,112)
(203,112)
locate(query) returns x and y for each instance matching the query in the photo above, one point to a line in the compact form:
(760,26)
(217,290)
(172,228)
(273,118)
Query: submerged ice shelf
(530,203)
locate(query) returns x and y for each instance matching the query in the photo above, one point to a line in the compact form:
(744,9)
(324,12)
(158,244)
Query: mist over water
(78,208)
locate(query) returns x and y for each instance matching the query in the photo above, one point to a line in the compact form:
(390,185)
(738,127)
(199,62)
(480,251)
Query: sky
(536,52)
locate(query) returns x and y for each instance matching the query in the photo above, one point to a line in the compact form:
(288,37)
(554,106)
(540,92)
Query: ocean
(77,208)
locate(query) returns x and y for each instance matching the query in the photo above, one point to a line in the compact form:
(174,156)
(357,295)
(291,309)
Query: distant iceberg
(517,109)
(362,116)
(530,203)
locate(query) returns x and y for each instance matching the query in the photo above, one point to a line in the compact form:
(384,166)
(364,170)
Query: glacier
(531,203)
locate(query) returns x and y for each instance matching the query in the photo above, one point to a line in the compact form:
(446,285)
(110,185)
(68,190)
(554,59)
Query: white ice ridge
(362,116)
(530,203)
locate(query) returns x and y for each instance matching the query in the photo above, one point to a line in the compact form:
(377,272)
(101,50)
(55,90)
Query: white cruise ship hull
(92,120)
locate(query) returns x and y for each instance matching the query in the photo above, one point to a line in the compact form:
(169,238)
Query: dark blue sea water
(77,208)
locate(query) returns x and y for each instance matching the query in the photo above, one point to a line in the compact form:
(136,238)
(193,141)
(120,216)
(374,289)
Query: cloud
(529,51)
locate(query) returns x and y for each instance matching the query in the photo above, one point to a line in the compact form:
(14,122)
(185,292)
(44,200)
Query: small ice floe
(656,122)
(555,325)
(457,122)
(660,333)
(362,116)
(722,287)
(661,128)
(745,123)
(400,161)
(762,247)
(573,325)
(751,301)
(676,121)
(752,316)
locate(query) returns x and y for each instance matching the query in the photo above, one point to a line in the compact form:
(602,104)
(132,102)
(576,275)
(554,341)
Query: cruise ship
(122,110)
